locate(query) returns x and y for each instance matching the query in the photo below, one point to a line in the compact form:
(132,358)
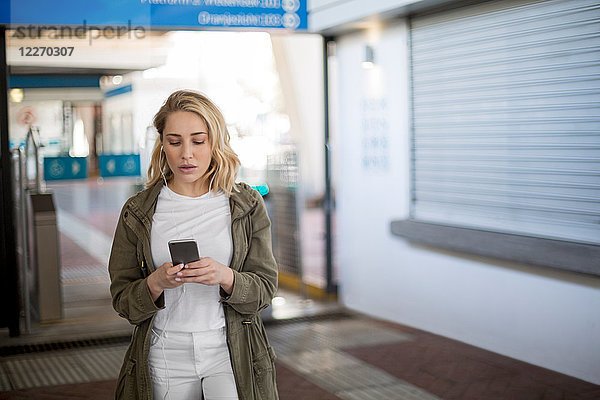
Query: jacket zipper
(239,217)
(145,269)
(146,341)
(247,323)
(138,219)
(233,368)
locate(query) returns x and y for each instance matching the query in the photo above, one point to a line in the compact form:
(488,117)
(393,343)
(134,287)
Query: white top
(191,307)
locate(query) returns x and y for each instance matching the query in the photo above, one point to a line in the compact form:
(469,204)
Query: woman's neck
(192,189)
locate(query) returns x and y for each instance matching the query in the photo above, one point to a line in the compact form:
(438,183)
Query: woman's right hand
(163,278)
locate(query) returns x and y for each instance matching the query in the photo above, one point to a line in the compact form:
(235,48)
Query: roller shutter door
(506,118)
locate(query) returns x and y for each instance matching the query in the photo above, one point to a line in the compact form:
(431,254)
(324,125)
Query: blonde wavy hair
(224,163)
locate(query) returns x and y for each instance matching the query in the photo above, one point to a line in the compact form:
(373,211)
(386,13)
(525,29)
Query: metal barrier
(37,238)
(46,256)
(32,147)
(22,234)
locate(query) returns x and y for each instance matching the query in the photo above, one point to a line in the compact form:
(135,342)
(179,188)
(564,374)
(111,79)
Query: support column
(9,293)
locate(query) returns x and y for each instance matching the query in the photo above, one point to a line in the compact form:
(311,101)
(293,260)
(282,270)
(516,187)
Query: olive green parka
(255,282)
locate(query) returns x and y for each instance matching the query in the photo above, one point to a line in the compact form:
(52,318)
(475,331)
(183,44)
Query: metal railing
(22,228)
(22,158)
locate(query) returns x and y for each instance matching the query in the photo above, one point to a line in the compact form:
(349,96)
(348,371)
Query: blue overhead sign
(59,168)
(119,165)
(159,14)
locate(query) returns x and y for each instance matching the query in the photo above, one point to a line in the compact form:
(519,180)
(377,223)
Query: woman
(198,332)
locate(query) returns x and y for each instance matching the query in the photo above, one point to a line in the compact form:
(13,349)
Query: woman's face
(188,151)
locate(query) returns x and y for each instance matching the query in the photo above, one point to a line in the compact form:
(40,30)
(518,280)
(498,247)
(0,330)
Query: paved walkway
(323,353)
(348,357)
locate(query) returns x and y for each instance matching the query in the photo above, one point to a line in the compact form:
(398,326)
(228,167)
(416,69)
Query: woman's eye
(174,143)
(202,142)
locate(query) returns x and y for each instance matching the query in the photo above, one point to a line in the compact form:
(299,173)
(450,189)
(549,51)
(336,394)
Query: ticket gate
(46,256)
(37,240)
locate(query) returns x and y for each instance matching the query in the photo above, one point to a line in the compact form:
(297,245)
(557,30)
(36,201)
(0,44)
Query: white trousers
(191,366)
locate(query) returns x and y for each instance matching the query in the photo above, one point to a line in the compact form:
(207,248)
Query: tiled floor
(352,357)
(343,356)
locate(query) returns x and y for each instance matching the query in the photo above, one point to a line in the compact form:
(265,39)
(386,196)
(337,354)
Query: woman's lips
(187,169)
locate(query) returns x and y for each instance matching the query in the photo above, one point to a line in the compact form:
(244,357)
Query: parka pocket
(262,359)
(264,376)
(126,386)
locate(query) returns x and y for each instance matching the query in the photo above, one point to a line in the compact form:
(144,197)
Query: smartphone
(183,251)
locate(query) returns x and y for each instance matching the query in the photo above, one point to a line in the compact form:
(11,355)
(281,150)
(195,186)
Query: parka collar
(241,201)
(143,203)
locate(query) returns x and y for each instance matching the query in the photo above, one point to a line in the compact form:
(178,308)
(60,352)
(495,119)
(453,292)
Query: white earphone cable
(160,166)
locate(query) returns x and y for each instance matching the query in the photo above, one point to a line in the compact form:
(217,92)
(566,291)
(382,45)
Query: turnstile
(37,239)
(47,256)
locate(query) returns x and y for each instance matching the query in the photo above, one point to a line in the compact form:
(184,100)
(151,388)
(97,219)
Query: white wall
(542,316)
(327,14)
(115,138)
(336,16)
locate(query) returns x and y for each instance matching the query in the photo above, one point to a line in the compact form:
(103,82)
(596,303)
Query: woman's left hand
(208,272)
